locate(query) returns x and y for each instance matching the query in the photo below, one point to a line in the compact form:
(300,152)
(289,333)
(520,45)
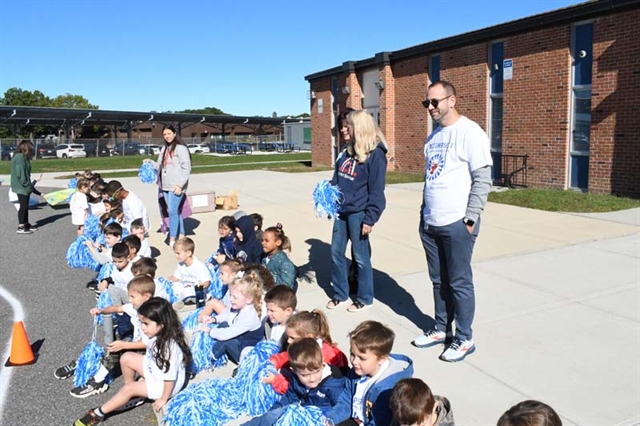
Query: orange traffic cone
(21,352)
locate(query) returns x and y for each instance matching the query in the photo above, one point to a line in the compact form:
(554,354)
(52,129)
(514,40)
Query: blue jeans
(173,209)
(449,249)
(348,227)
(267,419)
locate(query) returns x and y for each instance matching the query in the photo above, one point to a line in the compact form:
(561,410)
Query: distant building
(298,133)
(562,87)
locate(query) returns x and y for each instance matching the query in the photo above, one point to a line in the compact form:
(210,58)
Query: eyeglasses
(434,102)
(113,197)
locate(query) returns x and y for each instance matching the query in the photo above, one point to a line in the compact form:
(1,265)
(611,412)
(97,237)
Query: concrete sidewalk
(548,285)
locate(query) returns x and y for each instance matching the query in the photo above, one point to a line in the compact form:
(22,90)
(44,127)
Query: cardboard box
(228,202)
(202,202)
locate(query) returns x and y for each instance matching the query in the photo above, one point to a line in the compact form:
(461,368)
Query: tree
(18,97)
(206,110)
(72,101)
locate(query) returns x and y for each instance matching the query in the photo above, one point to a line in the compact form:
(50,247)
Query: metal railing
(512,171)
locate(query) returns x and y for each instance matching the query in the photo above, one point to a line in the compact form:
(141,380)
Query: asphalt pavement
(56,307)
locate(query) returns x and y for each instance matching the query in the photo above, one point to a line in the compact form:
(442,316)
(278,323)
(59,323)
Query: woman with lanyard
(174,169)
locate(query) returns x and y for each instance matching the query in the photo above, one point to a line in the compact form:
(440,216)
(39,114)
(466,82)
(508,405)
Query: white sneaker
(171,244)
(430,338)
(458,350)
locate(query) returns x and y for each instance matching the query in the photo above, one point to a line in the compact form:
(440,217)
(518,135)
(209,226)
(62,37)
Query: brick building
(562,88)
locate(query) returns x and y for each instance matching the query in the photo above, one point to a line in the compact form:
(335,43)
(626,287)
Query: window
(434,68)
(496,80)
(582,54)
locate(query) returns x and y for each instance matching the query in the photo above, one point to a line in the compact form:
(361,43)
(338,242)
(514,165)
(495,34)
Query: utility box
(202,202)
(228,202)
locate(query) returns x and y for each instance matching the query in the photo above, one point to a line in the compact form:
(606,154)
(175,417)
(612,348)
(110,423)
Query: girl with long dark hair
(163,367)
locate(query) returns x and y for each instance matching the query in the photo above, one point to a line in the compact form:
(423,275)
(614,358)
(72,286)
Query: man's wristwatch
(468,221)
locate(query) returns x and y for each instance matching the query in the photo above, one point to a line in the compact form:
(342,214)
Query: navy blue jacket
(325,396)
(249,250)
(376,411)
(362,184)
(227,246)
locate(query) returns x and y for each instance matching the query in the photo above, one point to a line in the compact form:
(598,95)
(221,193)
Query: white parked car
(70,151)
(155,149)
(198,148)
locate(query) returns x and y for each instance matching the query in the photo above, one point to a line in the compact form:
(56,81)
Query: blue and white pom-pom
(326,199)
(104,300)
(191,323)
(105,271)
(297,415)
(147,173)
(92,227)
(167,288)
(89,362)
(202,351)
(79,256)
(213,402)
(73,183)
(216,289)
(257,396)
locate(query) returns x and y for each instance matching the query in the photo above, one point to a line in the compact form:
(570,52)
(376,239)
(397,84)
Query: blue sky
(244,57)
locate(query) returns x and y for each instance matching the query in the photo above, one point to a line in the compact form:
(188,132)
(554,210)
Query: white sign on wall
(507,69)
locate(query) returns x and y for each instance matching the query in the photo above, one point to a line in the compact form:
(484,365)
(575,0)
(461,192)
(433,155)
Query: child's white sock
(101,374)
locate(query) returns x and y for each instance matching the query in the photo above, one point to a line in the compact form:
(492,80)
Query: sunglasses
(434,102)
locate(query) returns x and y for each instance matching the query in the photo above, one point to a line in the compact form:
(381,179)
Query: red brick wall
(536,104)
(614,161)
(321,127)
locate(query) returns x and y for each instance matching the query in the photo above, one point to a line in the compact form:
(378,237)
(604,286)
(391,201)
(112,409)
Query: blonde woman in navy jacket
(360,173)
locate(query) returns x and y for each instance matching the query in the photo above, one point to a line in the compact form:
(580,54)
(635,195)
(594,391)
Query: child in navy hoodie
(313,382)
(248,248)
(365,399)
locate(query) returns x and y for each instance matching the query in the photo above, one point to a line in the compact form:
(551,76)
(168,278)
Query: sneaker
(92,285)
(234,373)
(430,338)
(66,371)
(23,230)
(458,350)
(91,388)
(89,419)
(357,306)
(32,227)
(334,303)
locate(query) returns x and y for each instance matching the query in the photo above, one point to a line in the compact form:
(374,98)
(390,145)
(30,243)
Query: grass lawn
(556,200)
(134,162)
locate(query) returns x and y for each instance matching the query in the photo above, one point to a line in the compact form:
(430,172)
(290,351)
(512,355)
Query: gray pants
(119,297)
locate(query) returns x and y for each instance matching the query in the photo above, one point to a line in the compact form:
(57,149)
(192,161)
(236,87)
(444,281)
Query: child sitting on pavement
(365,399)
(116,285)
(413,403)
(312,324)
(313,382)
(163,367)
(140,289)
(102,253)
(240,326)
(190,272)
(138,229)
(132,206)
(228,272)
(248,248)
(276,261)
(134,244)
(226,248)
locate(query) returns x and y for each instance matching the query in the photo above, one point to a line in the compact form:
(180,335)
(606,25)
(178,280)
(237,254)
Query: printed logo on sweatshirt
(347,169)
(435,166)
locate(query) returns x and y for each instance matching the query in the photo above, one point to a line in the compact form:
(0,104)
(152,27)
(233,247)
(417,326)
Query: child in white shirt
(191,271)
(131,204)
(138,229)
(79,205)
